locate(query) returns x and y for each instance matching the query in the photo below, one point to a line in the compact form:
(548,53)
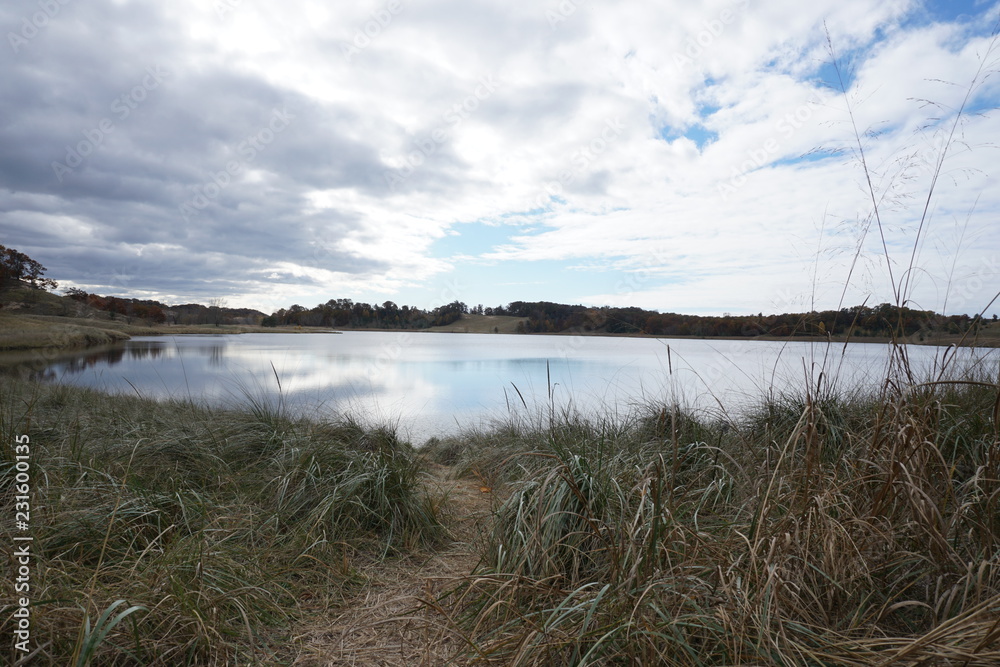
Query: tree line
(548,317)
(883,320)
(863,321)
(156,312)
(347,313)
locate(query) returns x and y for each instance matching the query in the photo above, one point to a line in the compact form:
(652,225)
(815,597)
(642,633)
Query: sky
(694,157)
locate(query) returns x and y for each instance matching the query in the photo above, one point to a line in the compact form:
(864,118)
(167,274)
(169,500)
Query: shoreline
(942,341)
(30,332)
(34,333)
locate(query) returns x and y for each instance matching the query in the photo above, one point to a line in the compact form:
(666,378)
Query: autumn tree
(16,265)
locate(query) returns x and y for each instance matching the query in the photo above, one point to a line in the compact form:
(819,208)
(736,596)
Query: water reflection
(145,349)
(136,351)
(434,383)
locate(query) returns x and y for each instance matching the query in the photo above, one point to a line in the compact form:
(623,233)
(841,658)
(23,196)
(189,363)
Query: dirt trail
(384,624)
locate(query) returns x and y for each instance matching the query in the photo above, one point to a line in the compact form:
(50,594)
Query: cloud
(294,153)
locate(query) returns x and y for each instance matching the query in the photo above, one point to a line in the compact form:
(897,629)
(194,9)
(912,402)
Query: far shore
(21,332)
(24,332)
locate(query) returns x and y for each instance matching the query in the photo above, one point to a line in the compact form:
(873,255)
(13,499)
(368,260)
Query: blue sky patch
(811,156)
(840,77)
(699,134)
(473,238)
(956,10)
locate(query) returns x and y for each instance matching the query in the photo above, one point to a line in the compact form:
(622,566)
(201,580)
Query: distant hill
(882,321)
(32,318)
(505,324)
(160,313)
(19,297)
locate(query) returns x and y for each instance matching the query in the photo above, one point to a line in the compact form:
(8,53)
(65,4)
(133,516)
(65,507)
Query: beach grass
(214,526)
(811,530)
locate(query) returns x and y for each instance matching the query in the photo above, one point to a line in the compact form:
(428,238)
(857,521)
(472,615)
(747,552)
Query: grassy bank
(818,529)
(822,529)
(33,332)
(27,332)
(218,529)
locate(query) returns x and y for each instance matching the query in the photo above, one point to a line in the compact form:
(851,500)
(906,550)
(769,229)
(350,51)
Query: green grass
(217,524)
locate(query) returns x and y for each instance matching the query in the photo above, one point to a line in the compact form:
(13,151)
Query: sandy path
(385,624)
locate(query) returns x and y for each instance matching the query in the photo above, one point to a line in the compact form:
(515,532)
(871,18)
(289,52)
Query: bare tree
(215,307)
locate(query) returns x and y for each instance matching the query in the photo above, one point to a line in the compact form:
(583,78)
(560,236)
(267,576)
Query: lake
(437,383)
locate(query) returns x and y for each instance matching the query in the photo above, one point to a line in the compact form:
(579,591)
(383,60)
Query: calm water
(433,383)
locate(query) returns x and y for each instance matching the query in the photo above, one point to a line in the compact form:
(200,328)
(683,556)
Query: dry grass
(814,531)
(25,332)
(227,527)
(482,324)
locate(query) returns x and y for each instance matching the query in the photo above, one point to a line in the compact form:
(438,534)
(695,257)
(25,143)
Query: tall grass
(835,532)
(214,529)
